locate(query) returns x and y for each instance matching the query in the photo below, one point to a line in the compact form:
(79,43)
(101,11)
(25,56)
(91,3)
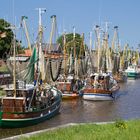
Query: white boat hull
(98,97)
(102,87)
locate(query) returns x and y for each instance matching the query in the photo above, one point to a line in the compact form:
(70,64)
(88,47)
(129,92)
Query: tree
(72,43)
(6,37)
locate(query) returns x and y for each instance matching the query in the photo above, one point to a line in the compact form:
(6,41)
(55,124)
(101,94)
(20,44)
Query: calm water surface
(126,106)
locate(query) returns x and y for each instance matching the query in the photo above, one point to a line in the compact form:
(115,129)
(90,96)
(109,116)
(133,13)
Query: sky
(82,14)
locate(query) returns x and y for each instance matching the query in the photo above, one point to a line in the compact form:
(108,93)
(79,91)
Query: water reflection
(126,106)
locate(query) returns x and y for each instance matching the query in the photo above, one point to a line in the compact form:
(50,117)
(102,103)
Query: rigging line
(58,71)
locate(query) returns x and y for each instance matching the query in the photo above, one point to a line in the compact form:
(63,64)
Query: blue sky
(83,14)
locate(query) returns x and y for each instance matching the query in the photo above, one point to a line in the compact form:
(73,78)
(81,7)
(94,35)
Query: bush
(120,124)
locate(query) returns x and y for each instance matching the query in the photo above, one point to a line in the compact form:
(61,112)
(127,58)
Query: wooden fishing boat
(69,82)
(67,93)
(28,106)
(69,87)
(26,103)
(101,87)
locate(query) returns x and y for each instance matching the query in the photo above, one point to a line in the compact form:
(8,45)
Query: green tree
(72,43)
(6,37)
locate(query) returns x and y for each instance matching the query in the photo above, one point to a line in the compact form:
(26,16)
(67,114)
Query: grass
(120,130)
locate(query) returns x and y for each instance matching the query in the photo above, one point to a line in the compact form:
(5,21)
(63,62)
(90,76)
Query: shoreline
(28,135)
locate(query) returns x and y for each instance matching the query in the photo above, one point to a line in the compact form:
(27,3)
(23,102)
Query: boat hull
(22,121)
(100,94)
(97,97)
(133,75)
(69,96)
(133,71)
(67,92)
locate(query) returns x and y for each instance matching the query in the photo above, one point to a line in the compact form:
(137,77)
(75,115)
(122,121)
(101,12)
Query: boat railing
(23,109)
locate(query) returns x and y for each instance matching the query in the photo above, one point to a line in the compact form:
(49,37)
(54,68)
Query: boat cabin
(101,81)
(19,101)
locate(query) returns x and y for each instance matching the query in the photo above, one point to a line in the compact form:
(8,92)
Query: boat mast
(14,59)
(82,49)
(106,48)
(97,32)
(40,34)
(64,50)
(115,42)
(90,41)
(53,17)
(14,64)
(116,50)
(75,68)
(23,22)
(41,11)
(90,53)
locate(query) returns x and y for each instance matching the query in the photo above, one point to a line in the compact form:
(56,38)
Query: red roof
(27,53)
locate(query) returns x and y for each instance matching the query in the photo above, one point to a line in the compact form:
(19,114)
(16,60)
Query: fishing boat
(133,68)
(27,103)
(70,87)
(69,82)
(100,87)
(133,71)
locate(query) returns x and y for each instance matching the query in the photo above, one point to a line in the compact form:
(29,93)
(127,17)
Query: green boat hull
(133,75)
(15,123)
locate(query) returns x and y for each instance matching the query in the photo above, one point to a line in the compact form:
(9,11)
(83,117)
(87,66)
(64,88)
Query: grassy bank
(117,131)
